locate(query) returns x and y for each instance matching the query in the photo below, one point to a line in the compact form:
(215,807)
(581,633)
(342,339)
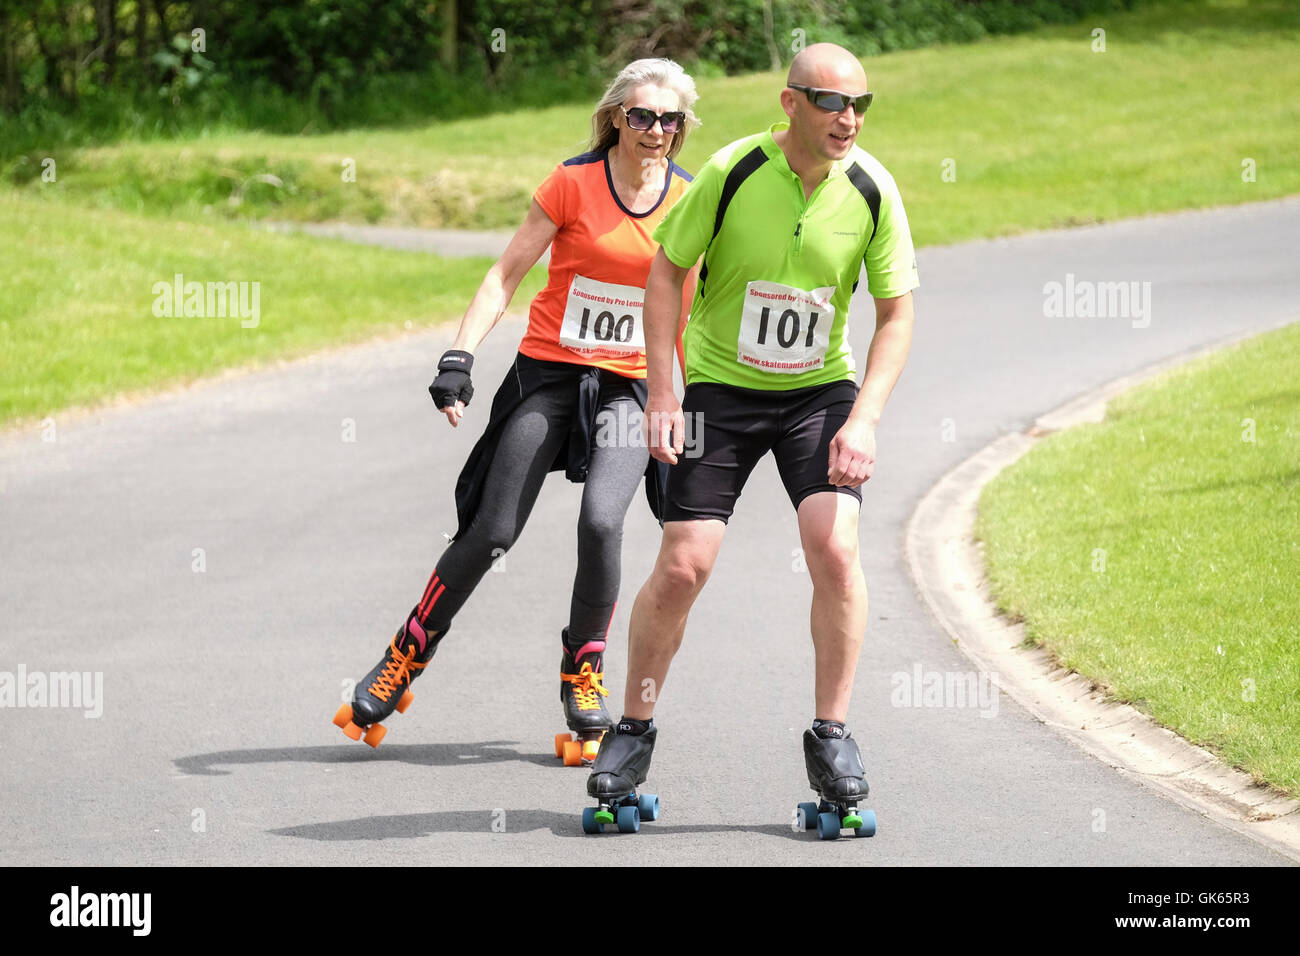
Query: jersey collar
(777,155)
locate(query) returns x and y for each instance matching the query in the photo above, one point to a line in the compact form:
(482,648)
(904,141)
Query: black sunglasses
(833,101)
(641,119)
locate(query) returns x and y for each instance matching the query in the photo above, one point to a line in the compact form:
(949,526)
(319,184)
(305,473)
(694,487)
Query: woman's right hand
(452,389)
(454,413)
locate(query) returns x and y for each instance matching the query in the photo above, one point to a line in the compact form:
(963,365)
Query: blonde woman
(582,358)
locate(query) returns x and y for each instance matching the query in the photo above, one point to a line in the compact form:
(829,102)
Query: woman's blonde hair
(660,72)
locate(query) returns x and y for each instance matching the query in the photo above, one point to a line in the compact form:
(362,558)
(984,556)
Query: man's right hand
(451,390)
(665,427)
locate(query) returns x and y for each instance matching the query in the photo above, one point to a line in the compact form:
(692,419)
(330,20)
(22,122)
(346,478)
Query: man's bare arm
(853,449)
(886,357)
(661,316)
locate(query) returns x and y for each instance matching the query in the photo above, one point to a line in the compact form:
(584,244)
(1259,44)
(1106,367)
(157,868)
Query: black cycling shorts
(729,429)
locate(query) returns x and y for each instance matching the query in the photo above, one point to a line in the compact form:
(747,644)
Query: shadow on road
(424,755)
(502,822)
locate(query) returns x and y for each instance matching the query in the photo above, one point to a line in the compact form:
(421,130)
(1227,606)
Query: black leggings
(529,442)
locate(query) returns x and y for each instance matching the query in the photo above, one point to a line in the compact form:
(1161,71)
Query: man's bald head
(828,67)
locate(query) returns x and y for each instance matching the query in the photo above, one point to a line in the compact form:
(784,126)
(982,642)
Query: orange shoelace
(587,686)
(393,676)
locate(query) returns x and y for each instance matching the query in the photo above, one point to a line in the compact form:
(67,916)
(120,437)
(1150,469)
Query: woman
(581,358)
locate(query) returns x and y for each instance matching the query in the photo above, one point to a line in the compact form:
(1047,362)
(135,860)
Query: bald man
(785,221)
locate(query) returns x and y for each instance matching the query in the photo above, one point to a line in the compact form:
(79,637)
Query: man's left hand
(853,454)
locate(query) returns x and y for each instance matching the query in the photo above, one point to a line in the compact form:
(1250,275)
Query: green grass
(1159,552)
(1044,132)
(77,323)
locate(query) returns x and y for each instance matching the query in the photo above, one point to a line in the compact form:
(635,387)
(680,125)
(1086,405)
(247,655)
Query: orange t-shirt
(590,311)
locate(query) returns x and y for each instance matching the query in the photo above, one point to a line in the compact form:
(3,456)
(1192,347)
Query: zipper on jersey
(797,248)
(804,204)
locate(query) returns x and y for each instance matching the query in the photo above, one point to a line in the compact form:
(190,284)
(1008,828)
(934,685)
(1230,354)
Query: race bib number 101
(784,329)
(602,317)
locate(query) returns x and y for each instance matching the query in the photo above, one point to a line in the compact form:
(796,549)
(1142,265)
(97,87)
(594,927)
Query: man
(784,221)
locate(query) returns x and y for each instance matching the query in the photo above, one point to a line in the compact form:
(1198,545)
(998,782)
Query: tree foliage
(277,62)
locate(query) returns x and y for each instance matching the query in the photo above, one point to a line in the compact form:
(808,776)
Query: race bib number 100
(784,329)
(602,317)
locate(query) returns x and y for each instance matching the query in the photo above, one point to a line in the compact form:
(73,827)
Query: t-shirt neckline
(609,180)
(775,152)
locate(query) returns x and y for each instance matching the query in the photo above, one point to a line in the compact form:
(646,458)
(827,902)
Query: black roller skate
(836,774)
(388,686)
(621,766)
(582,693)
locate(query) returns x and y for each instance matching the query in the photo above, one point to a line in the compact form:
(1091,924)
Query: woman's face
(652,144)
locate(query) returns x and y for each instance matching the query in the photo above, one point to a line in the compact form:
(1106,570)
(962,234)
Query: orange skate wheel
(375,734)
(589,749)
(560,741)
(343,716)
(405,702)
(352,730)
(573,754)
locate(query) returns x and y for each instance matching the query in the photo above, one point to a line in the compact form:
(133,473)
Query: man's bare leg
(686,557)
(828,529)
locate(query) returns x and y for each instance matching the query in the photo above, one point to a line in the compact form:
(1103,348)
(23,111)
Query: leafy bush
(78,71)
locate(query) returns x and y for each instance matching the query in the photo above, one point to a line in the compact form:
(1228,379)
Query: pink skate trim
(591,647)
(413,628)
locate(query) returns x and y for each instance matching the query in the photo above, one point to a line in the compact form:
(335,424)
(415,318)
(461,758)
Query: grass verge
(1159,551)
(77,304)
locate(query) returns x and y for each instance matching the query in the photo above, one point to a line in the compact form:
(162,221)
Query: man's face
(826,135)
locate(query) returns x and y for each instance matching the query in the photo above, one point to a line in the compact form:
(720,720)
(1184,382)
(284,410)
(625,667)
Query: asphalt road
(214,743)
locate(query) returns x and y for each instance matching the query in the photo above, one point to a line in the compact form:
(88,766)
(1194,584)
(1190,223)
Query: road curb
(948,567)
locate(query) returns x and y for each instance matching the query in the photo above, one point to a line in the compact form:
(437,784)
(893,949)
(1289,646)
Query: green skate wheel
(648,805)
(629,819)
(602,816)
(828,826)
(589,824)
(808,815)
(868,827)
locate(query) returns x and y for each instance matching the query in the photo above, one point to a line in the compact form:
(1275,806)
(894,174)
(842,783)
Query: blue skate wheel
(808,814)
(629,819)
(648,806)
(589,824)
(828,826)
(868,827)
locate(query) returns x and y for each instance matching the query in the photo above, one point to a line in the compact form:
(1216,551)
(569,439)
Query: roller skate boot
(388,686)
(836,774)
(582,693)
(621,766)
